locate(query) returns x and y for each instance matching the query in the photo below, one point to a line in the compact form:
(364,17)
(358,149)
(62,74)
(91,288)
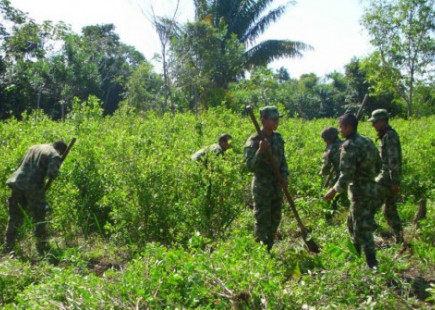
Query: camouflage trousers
(389,200)
(22,203)
(267,212)
(360,221)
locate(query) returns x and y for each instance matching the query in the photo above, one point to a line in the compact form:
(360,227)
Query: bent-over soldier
(331,162)
(391,172)
(265,187)
(359,164)
(331,155)
(224,143)
(28,194)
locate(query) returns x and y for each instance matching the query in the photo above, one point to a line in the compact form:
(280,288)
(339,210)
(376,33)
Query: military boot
(371,260)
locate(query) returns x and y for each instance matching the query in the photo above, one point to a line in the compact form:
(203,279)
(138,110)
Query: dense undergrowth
(136,224)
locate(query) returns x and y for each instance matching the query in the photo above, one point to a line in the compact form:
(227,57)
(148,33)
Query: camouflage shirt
(359,163)
(260,165)
(40,161)
(391,154)
(214,148)
(331,158)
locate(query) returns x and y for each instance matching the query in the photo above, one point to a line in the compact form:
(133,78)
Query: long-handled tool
(312,246)
(329,178)
(361,108)
(64,155)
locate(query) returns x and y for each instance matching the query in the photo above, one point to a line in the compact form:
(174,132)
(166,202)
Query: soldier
(265,187)
(27,184)
(331,155)
(219,148)
(391,172)
(331,161)
(359,165)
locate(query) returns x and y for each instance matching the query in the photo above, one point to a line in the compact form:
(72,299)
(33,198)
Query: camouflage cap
(378,115)
(269,111)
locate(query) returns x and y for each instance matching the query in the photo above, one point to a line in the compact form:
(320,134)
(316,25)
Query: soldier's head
(269,117)
(60,147)
(347,125)
(225,141)
(329,135)
(379,119)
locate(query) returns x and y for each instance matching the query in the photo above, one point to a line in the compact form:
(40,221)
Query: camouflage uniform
(331,159)
(203,153)
(391,174)
(359,164)
(27,184)
(265,187)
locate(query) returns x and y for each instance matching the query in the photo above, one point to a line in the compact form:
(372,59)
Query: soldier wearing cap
(391,172)
(28,194)
(331,160)
(265,187)
(359,164)
(224,143)
(331,155)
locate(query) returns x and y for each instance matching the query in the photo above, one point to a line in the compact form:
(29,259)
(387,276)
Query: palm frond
(255,30)
(271,50)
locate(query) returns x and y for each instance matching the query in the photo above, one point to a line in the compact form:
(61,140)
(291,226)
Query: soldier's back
(367,159)
(33,168)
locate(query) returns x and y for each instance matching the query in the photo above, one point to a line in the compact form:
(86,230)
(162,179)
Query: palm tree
(248,19)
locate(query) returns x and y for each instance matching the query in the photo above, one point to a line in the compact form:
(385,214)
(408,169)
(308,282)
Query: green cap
(269,111)
(378,115)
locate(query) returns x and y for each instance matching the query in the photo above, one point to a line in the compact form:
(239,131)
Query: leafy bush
(181,231)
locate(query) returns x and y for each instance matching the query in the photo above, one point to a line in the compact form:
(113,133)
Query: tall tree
(143,89)
(248,19)
(403,33)
(28,50)
(166,27)
(100,58)
(200,62)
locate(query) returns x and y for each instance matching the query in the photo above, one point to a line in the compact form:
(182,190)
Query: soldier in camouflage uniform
(359,164)
(28,195)
(219,148)
(331,162)
(391,172)
(331,155)
(265,187)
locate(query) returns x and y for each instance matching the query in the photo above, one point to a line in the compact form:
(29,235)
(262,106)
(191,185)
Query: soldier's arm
(252,157)
(198,156)
(347,168)
(394,160)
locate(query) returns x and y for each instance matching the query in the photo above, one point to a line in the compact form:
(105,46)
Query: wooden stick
(363,103)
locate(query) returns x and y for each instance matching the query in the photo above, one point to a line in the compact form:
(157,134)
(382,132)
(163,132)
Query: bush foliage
(170,232)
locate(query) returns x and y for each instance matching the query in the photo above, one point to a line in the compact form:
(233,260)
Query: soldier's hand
(330,194)
(264,145)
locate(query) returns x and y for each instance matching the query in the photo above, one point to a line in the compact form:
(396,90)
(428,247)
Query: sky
(331,27)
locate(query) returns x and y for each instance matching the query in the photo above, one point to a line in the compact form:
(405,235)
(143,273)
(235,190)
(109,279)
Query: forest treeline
(211,62)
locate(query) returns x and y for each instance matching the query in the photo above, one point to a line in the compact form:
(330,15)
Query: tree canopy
(403,33)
